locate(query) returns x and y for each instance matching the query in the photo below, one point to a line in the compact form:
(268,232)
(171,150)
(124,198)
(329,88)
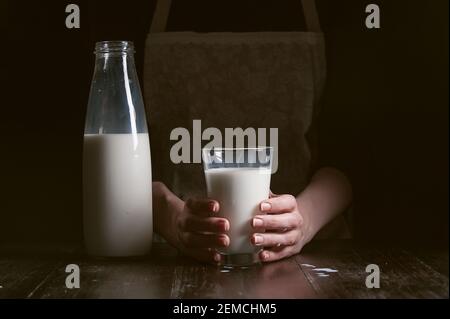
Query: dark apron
(228,80)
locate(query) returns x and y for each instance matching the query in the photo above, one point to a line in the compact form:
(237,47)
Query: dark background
(384,119)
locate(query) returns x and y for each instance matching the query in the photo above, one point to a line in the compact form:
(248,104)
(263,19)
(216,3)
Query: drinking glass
(239,179)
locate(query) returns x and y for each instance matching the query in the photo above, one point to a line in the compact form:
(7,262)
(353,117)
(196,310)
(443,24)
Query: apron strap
(159,20)
(162,10)
(311,15)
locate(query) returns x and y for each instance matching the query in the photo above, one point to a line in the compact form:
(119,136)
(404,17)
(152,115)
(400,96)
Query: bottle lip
(114,47)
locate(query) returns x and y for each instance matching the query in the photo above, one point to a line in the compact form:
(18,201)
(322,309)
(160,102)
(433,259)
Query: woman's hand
(280,231)
(199,232)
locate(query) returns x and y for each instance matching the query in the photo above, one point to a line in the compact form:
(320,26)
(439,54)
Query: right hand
(199,232)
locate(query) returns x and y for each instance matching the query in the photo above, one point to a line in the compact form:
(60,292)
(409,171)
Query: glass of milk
(239,179)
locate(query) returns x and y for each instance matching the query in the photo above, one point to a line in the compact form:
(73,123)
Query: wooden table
(39,272)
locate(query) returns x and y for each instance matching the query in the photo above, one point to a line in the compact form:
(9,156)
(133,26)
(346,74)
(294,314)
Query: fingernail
(264,255)
(225,226)
(224,241)
(258,239)
(212,206)
(258,222)
(265,207)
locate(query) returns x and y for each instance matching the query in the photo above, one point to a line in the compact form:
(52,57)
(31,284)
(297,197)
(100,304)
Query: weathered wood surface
(323,270)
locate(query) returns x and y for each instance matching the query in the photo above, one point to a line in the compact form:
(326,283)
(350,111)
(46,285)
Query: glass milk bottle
(117,181)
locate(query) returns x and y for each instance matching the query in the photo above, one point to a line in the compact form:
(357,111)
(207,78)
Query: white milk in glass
(239,192)
(117,194)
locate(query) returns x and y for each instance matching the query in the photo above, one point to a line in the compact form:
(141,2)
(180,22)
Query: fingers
(279,204)
(276,253)
(194,223)
(280,222)
(275,239)
(199,233)
(193,240)
(202,207)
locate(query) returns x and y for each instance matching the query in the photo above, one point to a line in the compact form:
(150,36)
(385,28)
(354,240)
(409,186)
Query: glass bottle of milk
(117,181)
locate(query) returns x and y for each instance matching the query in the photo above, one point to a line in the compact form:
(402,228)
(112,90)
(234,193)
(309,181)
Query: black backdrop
(384,119)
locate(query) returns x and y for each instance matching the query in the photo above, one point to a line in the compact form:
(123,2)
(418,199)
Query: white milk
(117,194)
(239,192)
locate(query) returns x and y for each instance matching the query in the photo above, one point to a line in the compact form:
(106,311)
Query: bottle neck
(115,59)
(115,101)
(115,63)
(114,48)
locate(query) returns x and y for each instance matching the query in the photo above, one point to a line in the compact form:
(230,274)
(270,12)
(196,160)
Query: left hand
(280,230)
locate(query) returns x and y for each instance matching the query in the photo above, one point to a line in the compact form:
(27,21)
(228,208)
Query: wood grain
(24,268)
(149,277)
(282,279)
(402,275)
(324,269)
